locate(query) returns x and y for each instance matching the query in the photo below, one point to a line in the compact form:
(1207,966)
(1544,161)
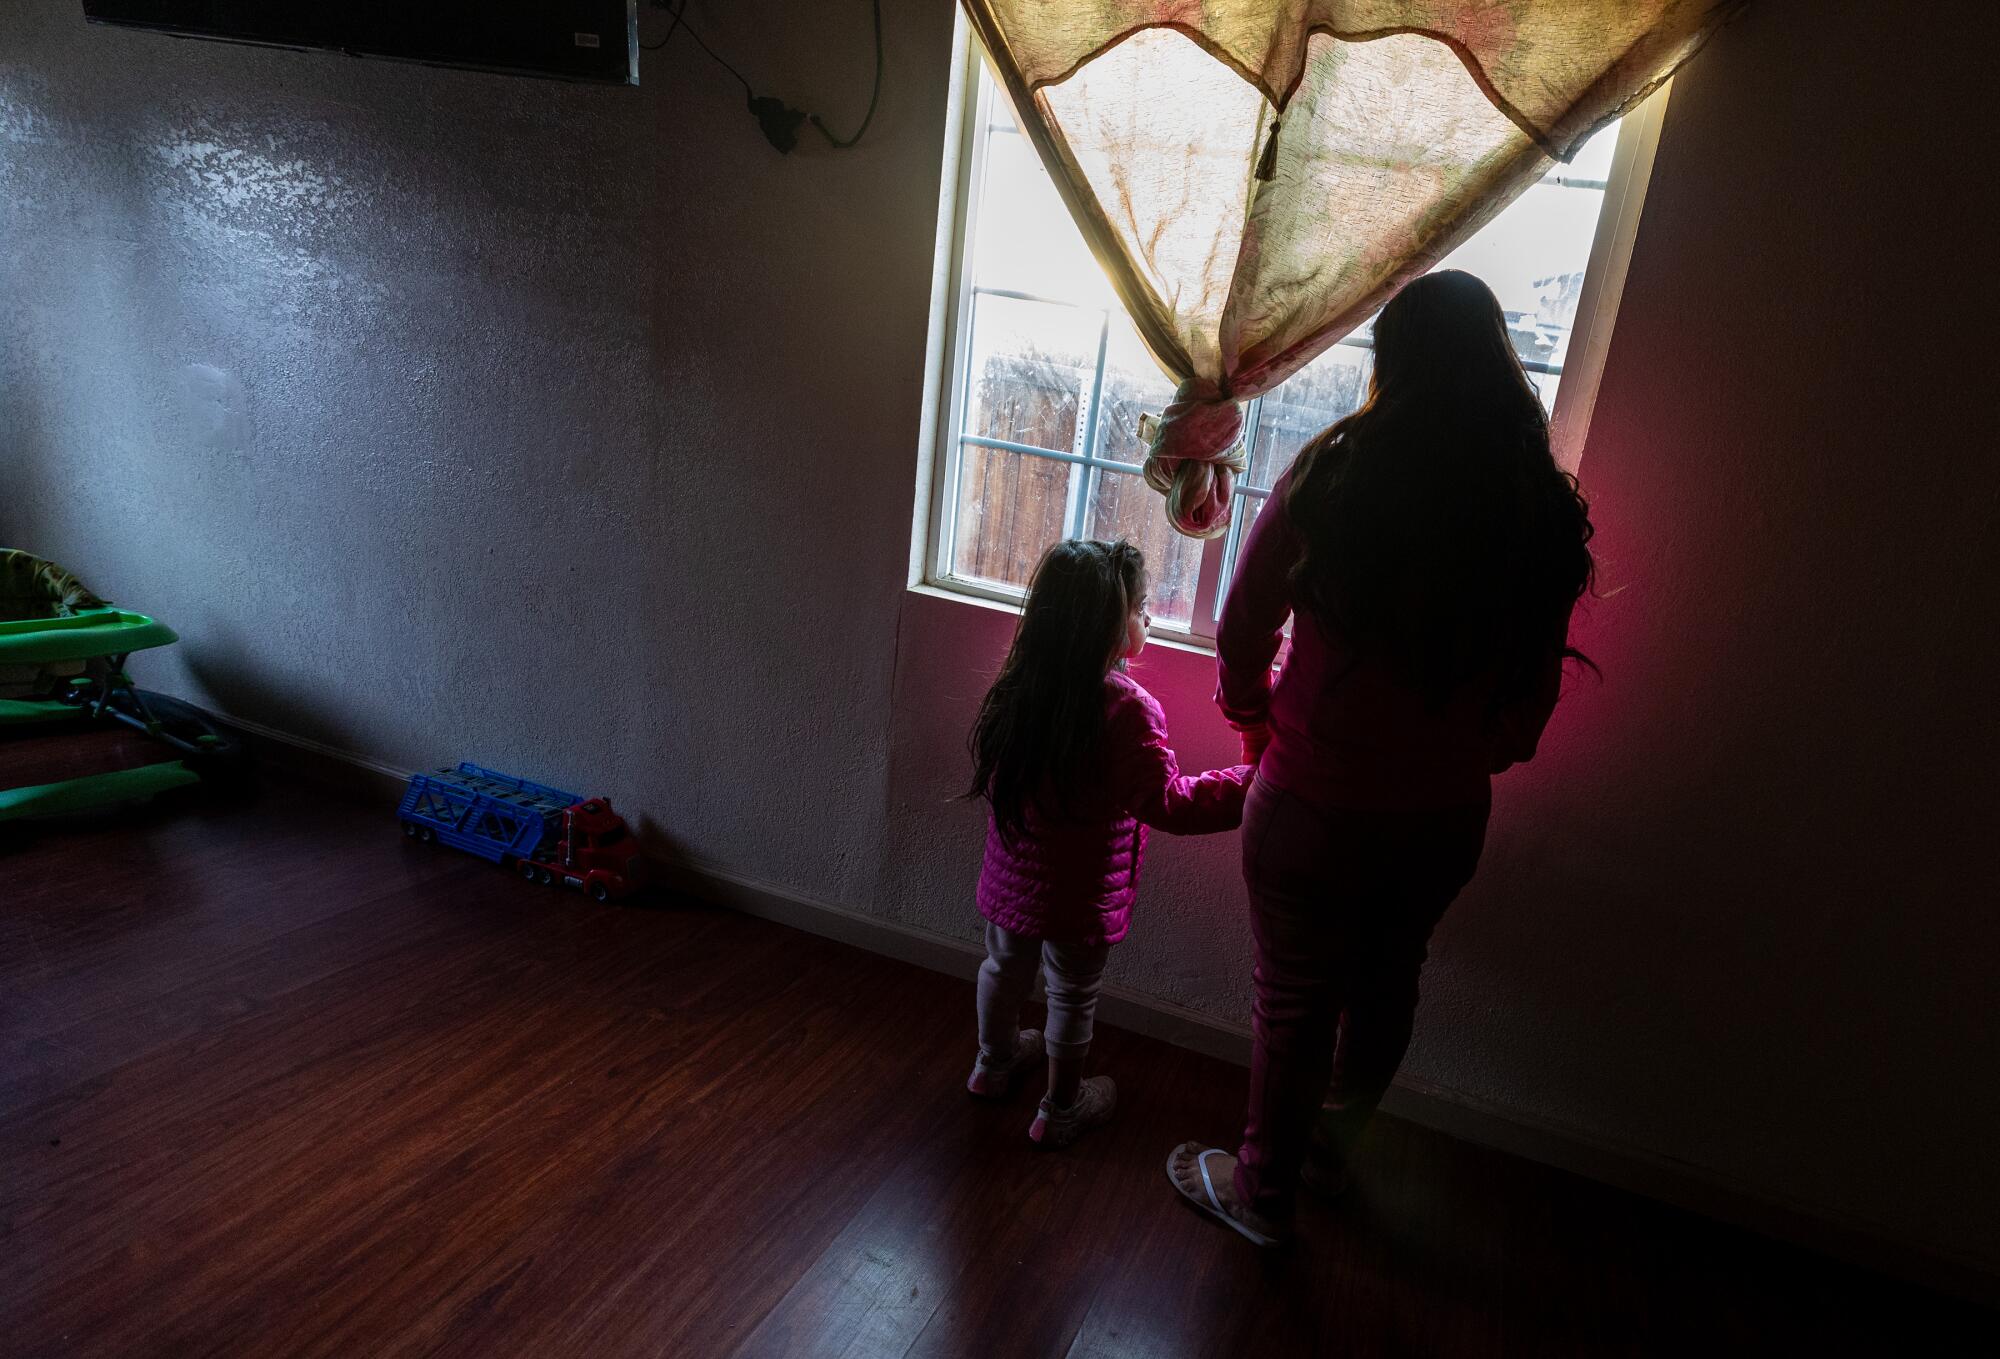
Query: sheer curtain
(1258,177)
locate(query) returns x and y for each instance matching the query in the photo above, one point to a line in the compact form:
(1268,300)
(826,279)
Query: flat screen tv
(567,39)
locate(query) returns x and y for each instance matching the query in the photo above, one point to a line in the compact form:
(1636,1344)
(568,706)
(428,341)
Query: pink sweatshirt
(1073,881)
(1344,733)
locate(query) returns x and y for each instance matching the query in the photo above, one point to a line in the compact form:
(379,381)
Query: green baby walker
(62,660)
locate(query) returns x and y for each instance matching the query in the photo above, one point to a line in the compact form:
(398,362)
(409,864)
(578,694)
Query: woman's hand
(1254,741)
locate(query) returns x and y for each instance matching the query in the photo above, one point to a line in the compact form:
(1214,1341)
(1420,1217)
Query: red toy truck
(592,850)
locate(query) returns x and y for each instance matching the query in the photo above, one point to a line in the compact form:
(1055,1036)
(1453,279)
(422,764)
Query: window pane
(1026,241)
(1247,510)
(1031,366)
(1124,506)
(1010,507)
(1329,388)
(1533,256)
(1594,161)
(999,114)
(1134,385)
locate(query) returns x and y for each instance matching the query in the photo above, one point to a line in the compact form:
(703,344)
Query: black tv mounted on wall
(566,39)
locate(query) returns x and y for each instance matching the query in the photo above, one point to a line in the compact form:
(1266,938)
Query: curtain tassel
(1267,164)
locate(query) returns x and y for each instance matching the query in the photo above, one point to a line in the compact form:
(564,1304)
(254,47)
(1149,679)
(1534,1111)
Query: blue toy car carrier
(483,812)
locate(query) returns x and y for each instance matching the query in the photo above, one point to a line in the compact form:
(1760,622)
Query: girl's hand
(1254,741)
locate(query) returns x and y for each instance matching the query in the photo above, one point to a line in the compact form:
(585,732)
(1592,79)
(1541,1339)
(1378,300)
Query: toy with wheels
(543,834)
(62,660)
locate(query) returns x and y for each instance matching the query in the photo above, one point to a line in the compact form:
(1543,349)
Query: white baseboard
(325,763)
(1444,1110)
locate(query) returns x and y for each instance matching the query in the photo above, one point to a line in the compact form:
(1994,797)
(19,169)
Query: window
(1043,378)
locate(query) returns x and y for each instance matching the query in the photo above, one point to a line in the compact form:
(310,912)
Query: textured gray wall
(448,415)
(573,430)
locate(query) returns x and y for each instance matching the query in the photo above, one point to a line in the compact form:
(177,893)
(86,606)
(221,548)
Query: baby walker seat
(62,659)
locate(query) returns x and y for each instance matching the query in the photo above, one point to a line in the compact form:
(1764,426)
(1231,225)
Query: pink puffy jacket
(1073,881)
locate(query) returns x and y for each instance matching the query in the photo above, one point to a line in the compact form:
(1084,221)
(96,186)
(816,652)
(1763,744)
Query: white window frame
(945,389)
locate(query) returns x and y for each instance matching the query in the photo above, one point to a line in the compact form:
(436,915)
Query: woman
(1430,552)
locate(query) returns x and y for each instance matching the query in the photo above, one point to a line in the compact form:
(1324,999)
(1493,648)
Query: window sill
(1172,641)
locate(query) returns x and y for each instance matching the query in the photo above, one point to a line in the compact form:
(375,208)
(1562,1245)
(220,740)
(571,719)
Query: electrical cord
(874,95)
(778,120)
(672,28)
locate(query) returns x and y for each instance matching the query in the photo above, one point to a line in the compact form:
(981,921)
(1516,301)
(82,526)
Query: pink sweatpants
(1342,904)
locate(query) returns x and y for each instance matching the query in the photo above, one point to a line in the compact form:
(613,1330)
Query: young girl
(1071,756)
(1429,551)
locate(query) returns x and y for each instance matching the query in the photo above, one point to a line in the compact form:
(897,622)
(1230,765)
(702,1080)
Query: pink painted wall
(1744,913)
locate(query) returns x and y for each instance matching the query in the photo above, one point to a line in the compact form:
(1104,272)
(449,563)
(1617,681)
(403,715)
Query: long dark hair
(1043,719)
(1439,533)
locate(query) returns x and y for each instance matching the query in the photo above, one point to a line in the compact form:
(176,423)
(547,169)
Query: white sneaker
(994,1080)
(1096,1098)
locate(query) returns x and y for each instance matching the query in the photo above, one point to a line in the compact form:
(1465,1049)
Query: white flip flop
(1209,1204)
